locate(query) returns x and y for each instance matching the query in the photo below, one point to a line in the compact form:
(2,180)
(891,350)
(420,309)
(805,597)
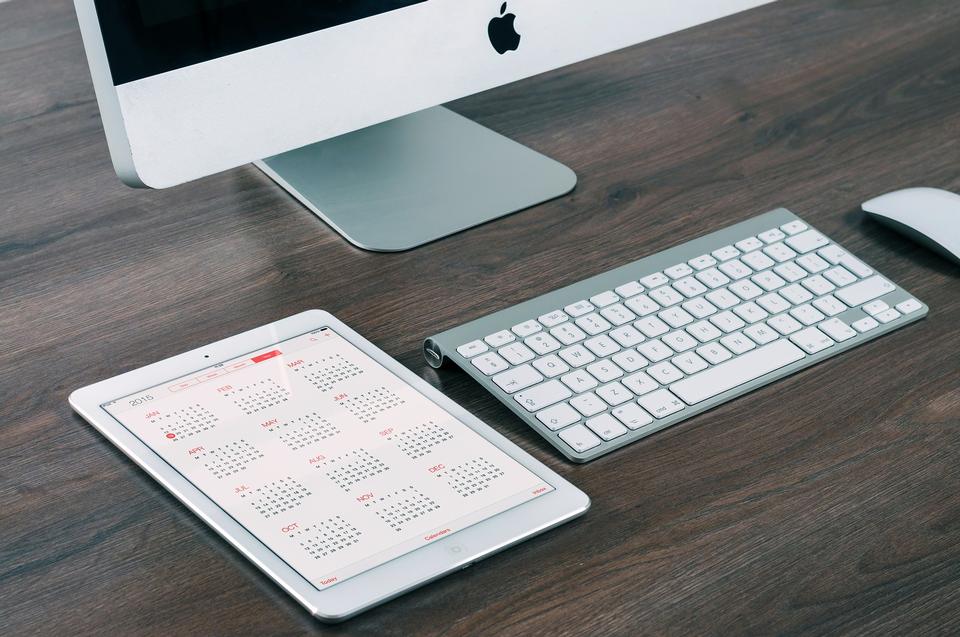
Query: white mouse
(929,216)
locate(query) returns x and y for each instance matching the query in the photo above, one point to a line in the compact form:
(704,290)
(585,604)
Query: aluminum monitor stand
(415,179)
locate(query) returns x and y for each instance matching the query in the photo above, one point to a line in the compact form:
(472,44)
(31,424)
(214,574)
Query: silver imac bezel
(381,583)
(204,118)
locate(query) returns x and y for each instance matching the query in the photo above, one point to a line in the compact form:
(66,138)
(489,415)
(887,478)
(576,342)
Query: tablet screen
(331,460)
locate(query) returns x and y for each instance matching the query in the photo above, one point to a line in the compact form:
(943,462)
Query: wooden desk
(828,502)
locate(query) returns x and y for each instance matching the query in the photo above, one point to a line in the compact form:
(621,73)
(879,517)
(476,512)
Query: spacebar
(738,371)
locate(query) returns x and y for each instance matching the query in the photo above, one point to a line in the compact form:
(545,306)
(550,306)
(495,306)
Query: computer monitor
(336,100)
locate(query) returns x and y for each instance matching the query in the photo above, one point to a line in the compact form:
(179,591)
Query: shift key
(859,293)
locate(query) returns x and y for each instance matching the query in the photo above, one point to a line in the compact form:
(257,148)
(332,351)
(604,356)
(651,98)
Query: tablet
(338,472)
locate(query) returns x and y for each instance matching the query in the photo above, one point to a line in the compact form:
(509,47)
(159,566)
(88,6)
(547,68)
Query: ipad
(338,472)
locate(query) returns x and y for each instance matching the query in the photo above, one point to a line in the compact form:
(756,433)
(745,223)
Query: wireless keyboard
(619,356)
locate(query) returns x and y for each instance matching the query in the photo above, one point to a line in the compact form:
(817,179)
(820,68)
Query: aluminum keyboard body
(601,363)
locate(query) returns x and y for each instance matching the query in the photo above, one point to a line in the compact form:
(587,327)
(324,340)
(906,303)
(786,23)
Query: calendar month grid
(326,456)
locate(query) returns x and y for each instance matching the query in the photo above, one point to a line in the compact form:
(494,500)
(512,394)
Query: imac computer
(338,100)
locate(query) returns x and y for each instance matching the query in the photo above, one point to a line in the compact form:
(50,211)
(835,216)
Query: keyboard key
(795,294)
(588,404)
(840,276)
(614,394)
(713,278)
(818,285)
(746,290)
(704,331)
(723,299)
(577,356)
(773,303)
(675,317)
(780,252)
(736,372)
(542,395)
(679,341)
(790,271)
(593,324)
(602,345)
(654,280)
(500,338)
(661,403)
(632,415)
(689,287)
(838,256)
(558,416)
(640,383)
(579,381)
(513,380)
(629,361)
(812,263)
(785,324)
(472,348)
(771,236)
(655,350)
(551,366)
(866,324)
(864,291)
(568,334)
(652,326)
(702,262)
(542,343)
(758,260)
(604,371)
(617,314)
(829,305)
(761,334)
(875,307)
(793,227)
(579,308)
(526,328)
(666,296)
(579,438)
(606,426)
(768,280)
(714,353)
(664,373)
(812,340)
(627,290)
(489,363)
(604,299)
(726,253)
(642,304)
(749,244)
(807,314)
(700,308)
(553,318)
(626,336)
(837,330)
(736,269)
(887,316)
(909,306)
(516,353)
(727,321)
(807,241)
(737,343)
(751,312)
(678,271)
(689,363)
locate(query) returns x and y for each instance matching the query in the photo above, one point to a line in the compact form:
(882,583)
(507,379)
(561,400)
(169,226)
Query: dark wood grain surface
(826,503)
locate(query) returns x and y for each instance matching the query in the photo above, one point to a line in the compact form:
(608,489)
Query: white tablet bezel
(383,582)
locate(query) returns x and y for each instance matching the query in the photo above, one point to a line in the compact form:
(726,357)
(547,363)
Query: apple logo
(503,35)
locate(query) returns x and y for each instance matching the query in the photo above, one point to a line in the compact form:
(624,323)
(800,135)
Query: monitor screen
(149,37)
